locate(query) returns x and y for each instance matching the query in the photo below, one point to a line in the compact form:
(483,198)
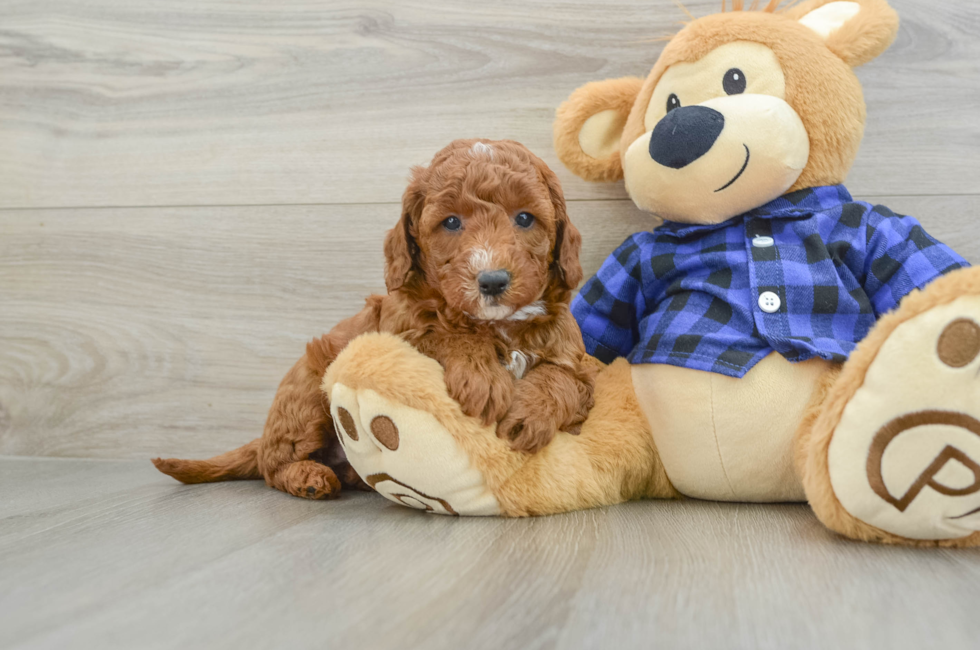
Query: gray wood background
(189,190)
(111,556)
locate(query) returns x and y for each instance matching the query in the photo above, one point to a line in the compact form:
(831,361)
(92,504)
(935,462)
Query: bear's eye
(673,102)
(734,82)
(452,224)
(524,220)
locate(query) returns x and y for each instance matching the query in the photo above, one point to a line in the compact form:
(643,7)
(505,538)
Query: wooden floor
(191,190)
(109,554)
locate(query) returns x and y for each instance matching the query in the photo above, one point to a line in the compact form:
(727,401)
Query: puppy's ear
(568,242)
(589,126)
(401,249)
(855,30)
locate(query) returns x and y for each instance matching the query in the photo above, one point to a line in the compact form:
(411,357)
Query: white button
(760,241)
(769,302)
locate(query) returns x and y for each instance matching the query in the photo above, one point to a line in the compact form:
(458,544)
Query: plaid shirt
(692,295)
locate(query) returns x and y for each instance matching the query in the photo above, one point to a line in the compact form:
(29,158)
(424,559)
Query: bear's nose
(493,283)
(684,135)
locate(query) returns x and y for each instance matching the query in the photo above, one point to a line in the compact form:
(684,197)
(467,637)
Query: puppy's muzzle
(684,135)
(493,283)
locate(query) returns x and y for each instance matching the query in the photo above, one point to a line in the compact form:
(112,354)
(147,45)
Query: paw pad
(407,455)
(905,455)
(959,343)
(347,423)
(385,431)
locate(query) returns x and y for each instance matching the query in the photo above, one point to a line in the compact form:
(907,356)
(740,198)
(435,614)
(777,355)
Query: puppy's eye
(734,82)
(452,224)
(673,102)
(524,220)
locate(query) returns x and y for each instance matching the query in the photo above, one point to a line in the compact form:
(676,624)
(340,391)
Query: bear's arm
(901,257)
(611,302)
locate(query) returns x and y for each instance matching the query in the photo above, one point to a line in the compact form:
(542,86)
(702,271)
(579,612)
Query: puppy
(479,273)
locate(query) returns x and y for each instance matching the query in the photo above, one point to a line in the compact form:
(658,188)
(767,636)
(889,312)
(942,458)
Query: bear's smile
(745,165)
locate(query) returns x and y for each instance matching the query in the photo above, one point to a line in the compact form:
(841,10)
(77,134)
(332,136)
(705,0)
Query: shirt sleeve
(901,257)
(607,306)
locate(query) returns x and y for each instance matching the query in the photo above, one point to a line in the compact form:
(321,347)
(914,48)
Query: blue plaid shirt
(692,295)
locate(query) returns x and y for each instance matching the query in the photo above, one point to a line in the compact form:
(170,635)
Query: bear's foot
(377,390)
(408,439)
(899,437)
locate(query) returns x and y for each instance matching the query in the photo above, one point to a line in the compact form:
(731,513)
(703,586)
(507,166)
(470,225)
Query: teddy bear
(773,340)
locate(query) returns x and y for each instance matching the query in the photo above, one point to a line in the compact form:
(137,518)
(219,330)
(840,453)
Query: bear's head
(740,108)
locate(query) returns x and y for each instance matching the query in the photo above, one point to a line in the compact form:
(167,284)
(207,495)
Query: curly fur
(434,303)
(613,460)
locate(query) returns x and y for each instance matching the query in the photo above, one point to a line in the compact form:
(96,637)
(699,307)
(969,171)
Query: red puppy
(479,272)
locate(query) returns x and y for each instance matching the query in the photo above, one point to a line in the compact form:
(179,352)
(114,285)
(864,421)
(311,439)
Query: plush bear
(773,340)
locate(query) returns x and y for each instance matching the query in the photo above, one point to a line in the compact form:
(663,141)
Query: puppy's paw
(483,393)
(308,480)
(528,427)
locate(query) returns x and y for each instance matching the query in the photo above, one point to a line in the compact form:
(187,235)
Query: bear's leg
(410,441)
(892,452)
(613,459)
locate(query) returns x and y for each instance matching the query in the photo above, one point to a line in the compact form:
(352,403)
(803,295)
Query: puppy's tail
(241,463)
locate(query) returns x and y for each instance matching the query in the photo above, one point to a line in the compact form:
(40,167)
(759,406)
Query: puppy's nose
(493,283)
(684,135)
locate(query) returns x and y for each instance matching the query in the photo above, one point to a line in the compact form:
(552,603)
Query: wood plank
(144,562)
(128,333)
(151,102)
(136,332)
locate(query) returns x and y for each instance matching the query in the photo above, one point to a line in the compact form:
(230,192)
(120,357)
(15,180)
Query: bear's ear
(855,30)
(589,127)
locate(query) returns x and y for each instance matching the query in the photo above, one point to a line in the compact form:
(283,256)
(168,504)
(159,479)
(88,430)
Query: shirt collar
(795,205)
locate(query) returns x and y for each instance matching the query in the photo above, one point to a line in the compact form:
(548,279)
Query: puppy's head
(485,226)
